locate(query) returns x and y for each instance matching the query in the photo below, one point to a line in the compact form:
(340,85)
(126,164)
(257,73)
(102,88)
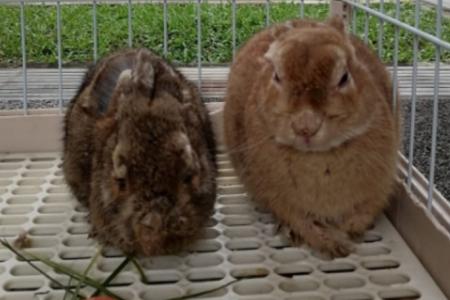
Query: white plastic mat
(239,242)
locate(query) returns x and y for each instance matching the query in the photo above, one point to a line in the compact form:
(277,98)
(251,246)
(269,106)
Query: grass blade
(16,252)
(140,271)
(67,271)
(83,278)
(80,277)
(113,274)
(89,267)
(69,289)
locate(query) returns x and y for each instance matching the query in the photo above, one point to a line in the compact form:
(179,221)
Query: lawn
(77,45)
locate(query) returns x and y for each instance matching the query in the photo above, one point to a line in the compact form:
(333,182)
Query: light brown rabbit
(310,129)
(139,151)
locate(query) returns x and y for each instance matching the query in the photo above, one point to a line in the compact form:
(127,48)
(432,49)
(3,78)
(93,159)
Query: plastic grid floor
(239,242)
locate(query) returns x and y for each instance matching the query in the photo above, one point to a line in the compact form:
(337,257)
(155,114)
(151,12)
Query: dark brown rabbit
(310,127)
(139,152)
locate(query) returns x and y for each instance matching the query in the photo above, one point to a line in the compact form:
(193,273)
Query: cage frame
(40,131)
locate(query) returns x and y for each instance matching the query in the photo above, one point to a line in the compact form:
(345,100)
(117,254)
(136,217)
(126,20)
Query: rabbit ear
(143,74)
(124,83)
(87,99)
(181,142)
(118,159)
(86,104)
(271,53)
(337,22)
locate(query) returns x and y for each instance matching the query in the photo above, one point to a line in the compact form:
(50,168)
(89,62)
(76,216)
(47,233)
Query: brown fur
(320,155)
(139,151)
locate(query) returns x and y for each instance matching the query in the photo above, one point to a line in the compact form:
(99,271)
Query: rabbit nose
(307,124)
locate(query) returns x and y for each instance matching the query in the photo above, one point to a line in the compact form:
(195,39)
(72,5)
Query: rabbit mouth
(301,143)
(305,144)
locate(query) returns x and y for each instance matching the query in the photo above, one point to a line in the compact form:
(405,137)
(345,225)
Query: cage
(43,52)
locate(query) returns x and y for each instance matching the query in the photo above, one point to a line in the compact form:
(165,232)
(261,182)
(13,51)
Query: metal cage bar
(267,12)
(302,9)
(380,30)
(439,45)
(24,57)
(233,26)
(130,24)
(94,28)
(199,42)
(165,24)
(354,16)
(395,58)
(59,50)
(414,96)
(435,106)
(366,23)
(420,33)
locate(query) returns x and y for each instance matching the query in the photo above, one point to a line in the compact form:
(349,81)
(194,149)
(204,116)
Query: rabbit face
(150,151)
(316,104)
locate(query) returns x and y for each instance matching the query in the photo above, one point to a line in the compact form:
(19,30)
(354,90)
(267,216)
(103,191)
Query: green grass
(148,31)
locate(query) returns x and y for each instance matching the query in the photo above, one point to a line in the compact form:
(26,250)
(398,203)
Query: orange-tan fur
(320,155)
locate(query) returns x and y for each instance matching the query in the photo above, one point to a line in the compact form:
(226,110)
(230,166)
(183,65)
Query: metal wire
(395,62)
(435,107)
(199,43)
(302,9)
(354,17)
(366,24)
(165,50)
(24,57)
(423,35)
(58,43)
(130,24)
(233,26)
(414,97)
(94,29)
(380,31)
(439,45)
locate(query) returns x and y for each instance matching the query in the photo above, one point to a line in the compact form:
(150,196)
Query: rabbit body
(139,151)
(310,128)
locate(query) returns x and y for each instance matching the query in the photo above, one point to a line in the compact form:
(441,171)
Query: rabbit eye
(121,183)
(344,80)
(187,178)
(276,78)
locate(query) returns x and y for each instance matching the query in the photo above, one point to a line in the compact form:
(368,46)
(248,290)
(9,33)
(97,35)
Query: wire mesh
(58,41)
(366,24)
(425,37)
(395,62)
(130,24)
(302,9)
(199,42)
(435,107)
(24,57)
(380,31)
(413,95)
(364,10)
(165,22)
(94,29)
